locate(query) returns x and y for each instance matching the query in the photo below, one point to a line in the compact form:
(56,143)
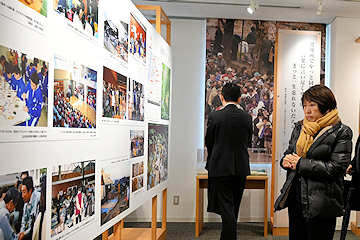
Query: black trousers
(315,228)
(229,191)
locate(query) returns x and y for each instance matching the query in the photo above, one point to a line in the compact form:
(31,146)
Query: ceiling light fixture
(252,7)
(321,10)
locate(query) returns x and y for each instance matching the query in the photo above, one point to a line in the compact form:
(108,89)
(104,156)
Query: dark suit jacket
(227,138)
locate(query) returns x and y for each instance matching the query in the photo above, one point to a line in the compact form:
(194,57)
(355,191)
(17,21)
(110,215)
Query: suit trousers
(229,190)
(315,228)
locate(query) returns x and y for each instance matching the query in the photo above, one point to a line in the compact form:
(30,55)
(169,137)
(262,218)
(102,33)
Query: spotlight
(252,7)
(321,10)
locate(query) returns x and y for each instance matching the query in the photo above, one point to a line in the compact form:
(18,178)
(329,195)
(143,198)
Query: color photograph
(242,52)
(136,143)
(136,101)
(158,155)
(23,205)
(114,94)
(74,95)
(137,176)
(82,13)
(115,190)
(39,6)
(23,89)
(116,38)
(73,195)
(137,39)
(165,92)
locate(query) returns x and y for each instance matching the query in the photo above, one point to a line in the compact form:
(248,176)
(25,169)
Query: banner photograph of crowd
(23,89)
(23,205)
(242,52)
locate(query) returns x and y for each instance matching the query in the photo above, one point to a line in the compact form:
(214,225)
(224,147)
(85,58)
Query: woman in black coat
(316,160)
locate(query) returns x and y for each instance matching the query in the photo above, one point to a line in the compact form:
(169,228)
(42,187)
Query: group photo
(114,94)
(115,190)
(137,43)
(74,96)
(136,100)
(23,89)
(73,195)
(116,38)
(23,205)
(242,52)
(82,13)
(136,143)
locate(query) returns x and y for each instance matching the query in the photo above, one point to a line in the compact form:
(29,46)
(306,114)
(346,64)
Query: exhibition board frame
(120,232)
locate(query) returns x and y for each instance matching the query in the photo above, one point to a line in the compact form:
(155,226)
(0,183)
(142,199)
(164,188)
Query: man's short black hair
(12,194)
(231,92)
(35,78)
(28,182)
(16,69)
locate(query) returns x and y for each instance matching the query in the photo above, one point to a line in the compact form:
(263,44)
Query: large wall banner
(298,68)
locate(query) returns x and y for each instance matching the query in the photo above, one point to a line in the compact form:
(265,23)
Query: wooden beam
(153,218)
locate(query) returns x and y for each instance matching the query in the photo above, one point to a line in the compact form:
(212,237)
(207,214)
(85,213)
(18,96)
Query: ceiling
(276,10)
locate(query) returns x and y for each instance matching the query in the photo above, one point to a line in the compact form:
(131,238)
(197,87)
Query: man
(31,200)
(221,63)
(227,138)
(11,199)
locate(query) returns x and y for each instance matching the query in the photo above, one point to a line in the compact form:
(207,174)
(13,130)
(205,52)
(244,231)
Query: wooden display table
(252,182)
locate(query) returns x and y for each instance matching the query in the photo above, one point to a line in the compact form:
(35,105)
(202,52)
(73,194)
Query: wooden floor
(84,108)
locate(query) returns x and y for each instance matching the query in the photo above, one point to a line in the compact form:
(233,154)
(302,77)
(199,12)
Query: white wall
(187,129)
(345,72)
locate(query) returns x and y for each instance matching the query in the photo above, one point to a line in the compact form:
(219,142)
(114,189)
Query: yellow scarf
(310,129)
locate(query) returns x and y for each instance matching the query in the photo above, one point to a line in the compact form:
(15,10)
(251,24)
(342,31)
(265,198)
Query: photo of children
(137,45)
(74,95)
(165,92)
(137,176)
(23,89)
(116,38)
(158,155)
(114,94)
(136,143)
(136,100)
(83,14)
(73,195)
(23,205)
(39,6)
(115,190)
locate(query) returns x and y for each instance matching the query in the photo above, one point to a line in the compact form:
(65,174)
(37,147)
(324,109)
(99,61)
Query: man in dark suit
(227,138)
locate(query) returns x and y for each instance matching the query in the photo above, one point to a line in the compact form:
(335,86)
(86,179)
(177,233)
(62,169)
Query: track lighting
(321,10)
(252,7)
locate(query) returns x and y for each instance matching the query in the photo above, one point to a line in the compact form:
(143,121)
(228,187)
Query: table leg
(265,208)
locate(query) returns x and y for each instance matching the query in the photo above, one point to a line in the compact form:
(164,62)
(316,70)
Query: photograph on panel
(82,13)
(74,94)
(114,94)
(157,154)
(136,100)
(136,143)
(39,6)
(116,38)
(137,44)
(23,205)
(115,190)
(23,89)
(73,195)
(165,93)
(242,52)
(137,176)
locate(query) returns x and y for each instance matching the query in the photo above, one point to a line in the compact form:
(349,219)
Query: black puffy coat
(321,172)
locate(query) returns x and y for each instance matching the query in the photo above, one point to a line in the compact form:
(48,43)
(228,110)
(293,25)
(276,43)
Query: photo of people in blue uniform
(23,205)
(136,100)
(23,89)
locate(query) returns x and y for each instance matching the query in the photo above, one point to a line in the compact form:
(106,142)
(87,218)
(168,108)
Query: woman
(316,160)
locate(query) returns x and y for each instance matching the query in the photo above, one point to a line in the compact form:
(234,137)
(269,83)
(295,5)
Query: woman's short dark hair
(322,95)
(231,92)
